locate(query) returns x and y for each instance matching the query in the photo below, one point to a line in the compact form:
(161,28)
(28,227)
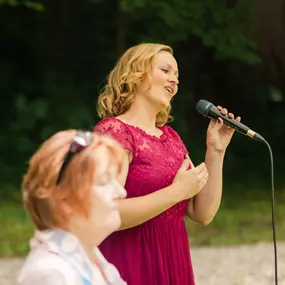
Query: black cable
(272,213)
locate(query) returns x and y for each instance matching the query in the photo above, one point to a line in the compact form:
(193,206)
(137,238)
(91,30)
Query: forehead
(109,155)
(166,57)
(102,158)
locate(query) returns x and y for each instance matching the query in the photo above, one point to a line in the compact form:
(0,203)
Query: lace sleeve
(117,130)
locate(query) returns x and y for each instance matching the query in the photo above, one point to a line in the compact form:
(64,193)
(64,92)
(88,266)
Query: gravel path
(242,265)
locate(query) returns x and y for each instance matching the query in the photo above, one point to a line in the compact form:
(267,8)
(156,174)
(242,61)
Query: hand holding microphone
(208,110)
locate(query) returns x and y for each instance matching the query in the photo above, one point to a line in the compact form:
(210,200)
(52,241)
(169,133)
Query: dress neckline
(143,132)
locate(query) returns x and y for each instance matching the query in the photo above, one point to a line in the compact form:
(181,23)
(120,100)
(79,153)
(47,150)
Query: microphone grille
(203,107)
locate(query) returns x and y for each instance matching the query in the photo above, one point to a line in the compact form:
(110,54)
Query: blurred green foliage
(55,55)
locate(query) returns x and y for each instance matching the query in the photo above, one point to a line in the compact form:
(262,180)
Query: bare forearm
(135,211)
(206,203)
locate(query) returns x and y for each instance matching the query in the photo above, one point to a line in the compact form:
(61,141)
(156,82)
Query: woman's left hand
(219,134)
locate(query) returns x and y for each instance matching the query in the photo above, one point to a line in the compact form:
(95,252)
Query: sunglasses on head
(78,143)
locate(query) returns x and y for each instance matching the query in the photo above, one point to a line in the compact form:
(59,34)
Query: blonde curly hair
(129,72)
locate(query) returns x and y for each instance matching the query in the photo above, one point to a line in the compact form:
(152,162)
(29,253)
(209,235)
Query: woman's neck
(84,240)
(140,115)
(89,252)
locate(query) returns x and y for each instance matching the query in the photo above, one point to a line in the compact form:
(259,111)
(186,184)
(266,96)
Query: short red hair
(42,197)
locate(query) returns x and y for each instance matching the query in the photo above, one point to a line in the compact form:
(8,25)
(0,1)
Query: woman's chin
(114,222)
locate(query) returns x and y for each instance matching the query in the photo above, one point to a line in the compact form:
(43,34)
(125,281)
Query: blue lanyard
(85,281)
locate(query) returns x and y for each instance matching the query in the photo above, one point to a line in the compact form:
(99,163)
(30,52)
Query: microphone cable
(208,110)
(273,213)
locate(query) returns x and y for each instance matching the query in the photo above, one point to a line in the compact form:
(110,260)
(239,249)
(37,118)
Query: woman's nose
(174,79)
(119,191)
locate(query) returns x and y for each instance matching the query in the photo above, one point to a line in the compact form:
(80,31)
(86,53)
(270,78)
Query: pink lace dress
(156,252)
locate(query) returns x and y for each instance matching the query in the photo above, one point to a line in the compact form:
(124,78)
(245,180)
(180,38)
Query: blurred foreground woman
(70,192)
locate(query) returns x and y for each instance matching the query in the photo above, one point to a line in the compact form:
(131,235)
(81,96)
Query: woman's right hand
(188,183)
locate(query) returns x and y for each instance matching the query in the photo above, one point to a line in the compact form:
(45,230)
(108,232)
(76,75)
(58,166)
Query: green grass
(243,218)
(15,230)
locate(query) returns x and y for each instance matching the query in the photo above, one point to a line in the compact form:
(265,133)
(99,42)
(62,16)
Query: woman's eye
(164,70)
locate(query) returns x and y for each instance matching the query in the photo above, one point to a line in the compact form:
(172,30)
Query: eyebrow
(169,65)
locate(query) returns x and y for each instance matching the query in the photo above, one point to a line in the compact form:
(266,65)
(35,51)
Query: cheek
(103,196)
(158,78)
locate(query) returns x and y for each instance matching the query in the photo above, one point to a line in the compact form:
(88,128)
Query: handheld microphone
(208,110)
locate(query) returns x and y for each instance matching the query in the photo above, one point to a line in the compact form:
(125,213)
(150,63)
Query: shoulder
(112,126)
(175,138)
(169,130)
(42,267)
(118,130)
(109,124)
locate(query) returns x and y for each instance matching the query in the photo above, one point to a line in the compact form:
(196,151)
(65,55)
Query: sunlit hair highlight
(122,82)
